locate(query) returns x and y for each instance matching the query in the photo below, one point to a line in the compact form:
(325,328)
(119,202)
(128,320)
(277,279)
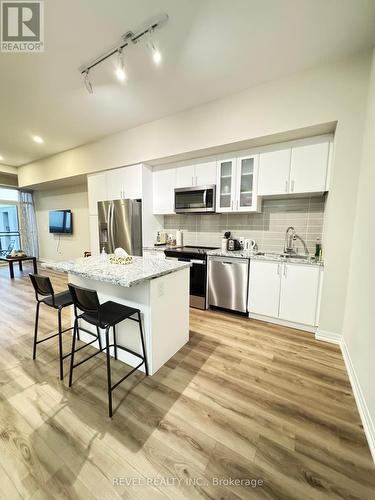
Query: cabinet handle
(285,273)
(232,204)
(292,187)
(286,186)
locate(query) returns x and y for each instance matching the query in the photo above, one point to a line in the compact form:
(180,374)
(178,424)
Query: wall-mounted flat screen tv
(60,222)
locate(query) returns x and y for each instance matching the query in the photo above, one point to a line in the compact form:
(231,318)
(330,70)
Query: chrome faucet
(289,237)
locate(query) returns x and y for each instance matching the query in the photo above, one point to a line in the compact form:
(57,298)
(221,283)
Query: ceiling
(210,48)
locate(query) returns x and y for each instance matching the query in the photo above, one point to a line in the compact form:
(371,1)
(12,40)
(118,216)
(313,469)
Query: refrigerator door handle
(110,225)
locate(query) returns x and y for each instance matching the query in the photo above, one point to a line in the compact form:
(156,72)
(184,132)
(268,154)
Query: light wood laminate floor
(242,400)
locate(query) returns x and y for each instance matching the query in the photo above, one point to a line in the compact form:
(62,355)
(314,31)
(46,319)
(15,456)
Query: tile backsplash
(267,228)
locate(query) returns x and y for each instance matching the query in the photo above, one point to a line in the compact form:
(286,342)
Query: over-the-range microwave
(198,199)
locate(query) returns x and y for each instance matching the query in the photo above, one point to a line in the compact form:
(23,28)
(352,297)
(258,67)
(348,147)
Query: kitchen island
(159,288)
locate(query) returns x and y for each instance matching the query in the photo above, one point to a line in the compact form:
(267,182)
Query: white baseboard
(333,338)
(283,322)
(367,422)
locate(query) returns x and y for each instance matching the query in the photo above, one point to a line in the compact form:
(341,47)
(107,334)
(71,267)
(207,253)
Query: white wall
(359,323)
(69,197)
(330,93)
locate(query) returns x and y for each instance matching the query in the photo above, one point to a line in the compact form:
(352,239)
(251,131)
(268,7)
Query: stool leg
(109,382)
(115,341)
(60,346)
(72,354)
(36,329)
(99,339)
(143,342)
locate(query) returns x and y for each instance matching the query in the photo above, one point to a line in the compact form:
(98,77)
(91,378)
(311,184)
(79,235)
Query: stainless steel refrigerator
(120,225)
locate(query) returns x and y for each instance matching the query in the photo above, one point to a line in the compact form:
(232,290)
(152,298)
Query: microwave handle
(205,198)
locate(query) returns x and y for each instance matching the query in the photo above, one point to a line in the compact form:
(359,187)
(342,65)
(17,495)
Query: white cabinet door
(132,182)
(125,183)
(273,177)
(94,234)
(309,165)
(205,173)
(97,191)
(114,184)
(226,185)
(164,183)
(299,293)
(264,287)
(246,199)
(185,176)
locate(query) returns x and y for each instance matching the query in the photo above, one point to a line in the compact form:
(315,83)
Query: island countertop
(95,268)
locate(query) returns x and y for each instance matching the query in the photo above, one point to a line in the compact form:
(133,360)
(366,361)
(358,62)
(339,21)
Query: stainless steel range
(198,271)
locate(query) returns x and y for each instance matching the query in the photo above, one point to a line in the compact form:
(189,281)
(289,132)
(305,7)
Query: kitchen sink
(296,256)
(284,255)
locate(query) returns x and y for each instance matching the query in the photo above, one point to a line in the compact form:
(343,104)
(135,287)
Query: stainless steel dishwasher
(228,279)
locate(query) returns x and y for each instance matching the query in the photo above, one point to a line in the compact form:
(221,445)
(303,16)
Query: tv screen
(60,222)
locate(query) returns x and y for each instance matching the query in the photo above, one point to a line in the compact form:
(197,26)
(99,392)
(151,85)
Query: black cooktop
(190,249)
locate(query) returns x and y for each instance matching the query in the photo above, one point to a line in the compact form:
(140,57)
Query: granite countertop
(140,270)
(160,248)
(157,248)
(248,254)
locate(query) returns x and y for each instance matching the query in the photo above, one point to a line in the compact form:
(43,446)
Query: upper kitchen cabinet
(185,176)
(226,185)
(308,169)
(296,170)
(274,168)
(200,174)
(97,191)
(236,184)
(246,180)
(124,183)
(205,173)
(113,185)
(164,183)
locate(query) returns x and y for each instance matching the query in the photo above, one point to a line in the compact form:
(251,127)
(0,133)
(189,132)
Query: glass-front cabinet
(247,171)
(236,184)
(226,185)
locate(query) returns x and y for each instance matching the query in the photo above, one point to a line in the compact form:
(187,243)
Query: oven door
(198,281)
(194,199)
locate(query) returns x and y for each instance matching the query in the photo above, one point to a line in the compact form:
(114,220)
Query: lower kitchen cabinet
(264,289)
(299,293)
(284,291)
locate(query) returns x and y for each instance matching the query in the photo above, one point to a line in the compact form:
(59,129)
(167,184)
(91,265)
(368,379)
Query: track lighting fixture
(88,84)
(128,38)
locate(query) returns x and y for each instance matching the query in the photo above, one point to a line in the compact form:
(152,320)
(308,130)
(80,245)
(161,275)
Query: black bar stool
(43,287)
(103,316)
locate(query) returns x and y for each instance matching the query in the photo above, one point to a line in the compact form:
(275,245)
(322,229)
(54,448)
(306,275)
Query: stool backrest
(85,299)
(42,285)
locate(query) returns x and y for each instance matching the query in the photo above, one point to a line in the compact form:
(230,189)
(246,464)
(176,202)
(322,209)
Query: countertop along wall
(68,197)
(335,92)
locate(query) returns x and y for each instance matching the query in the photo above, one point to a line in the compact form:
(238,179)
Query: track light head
(87,82)
(120,69)
(156,54)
